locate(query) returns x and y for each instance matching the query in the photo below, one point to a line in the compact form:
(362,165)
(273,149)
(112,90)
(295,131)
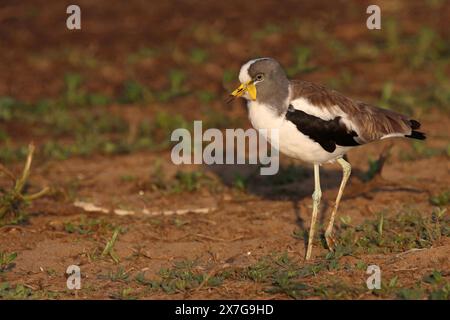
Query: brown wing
(372,123)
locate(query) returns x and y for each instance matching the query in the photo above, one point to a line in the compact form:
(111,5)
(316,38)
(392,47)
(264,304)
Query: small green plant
(240,182)
(440,286)
(439,92)
(407,230)
(9,153)
(124,294)
(13,201)
(392,35)
(441,200)
(261,271)
(142,280)
(163,125)
(85,226)
(184,276)
(339,290)
(142,54)
(403,101)
(176,86)
(128,178)
(386,93)
(440,293)
(98,99)
(302,65)
(109,248)
(133,92)
(120,275)
(158,178)
(18,292)
(421,151)
(424,48)
(7,105)
(179,222)
(188,181)
(74,95)
(434,278)
(144,138)
(198,56)
(424,151)
(4,136)
(54,150)
(374,169)
(6,260)
(410,293)
(282,283)
(283,275)
(228,76)
(206,96)
(393,282)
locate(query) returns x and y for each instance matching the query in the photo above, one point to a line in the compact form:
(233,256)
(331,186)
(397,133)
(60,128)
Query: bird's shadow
(294,182)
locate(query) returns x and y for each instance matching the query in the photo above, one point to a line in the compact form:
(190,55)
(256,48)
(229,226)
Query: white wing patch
(328,113)
(322,113)
(392,135)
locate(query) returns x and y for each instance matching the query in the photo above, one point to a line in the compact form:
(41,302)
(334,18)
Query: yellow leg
(346,169)
(316,201)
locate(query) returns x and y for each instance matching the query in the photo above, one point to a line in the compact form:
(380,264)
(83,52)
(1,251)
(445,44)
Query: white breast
(291,141)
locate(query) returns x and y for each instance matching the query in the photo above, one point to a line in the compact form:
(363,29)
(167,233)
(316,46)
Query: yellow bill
(245,87)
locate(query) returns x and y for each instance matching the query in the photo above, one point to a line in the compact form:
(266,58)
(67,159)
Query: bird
(315,124)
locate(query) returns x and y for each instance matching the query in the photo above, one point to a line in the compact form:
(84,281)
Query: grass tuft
(13,201)
(6,260)
(109,248)
(184,276)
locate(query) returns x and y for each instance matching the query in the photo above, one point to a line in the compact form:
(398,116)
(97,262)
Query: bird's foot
(330,240)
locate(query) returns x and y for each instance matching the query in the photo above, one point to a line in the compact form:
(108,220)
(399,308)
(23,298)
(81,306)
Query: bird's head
(262,80)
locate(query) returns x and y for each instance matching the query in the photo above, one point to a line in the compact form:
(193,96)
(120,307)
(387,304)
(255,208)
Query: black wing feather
(328,133)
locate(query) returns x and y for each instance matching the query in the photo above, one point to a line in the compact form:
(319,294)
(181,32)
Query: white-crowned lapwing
(315,125)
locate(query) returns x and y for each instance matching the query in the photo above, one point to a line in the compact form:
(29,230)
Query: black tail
(416,134)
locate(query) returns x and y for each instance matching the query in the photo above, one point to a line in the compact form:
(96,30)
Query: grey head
(270,80)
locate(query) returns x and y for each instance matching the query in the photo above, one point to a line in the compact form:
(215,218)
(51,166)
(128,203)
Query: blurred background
(137,70)
(100,104)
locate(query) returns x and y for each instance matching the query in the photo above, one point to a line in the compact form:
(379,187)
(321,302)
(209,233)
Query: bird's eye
(259,77)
